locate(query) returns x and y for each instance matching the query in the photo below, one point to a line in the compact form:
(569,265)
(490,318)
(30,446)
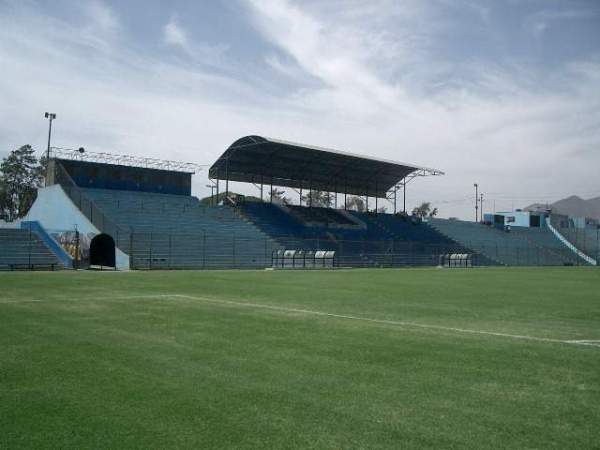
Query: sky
(505,94)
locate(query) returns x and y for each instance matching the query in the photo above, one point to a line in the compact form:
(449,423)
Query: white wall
(55,211)
(521,218)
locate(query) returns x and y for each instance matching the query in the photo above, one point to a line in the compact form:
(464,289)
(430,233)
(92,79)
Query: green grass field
(423,358)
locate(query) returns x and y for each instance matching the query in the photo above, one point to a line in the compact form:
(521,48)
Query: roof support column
(217,191)
(300,193)
(226,179)
(376,197)
(404,193)
(261,188)
(271,190)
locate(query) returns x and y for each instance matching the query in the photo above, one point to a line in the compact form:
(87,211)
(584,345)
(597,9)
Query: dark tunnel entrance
(102,251)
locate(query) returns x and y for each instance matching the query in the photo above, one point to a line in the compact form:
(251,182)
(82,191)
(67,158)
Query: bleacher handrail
(93,213)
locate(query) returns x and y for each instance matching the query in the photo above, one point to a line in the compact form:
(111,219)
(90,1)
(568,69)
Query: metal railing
(89,209)
(585,239)
(205,250)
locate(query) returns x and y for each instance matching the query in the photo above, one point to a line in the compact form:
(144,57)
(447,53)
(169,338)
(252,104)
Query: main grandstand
(101,210)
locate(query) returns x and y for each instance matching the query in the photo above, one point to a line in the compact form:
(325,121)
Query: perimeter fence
(205,251)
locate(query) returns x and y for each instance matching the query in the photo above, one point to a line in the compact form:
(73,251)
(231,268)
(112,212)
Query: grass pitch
(483,358)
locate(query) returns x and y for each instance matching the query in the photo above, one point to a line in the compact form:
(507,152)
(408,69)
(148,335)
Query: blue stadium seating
(586,239)
(520,247)
(174,231)
(23,249)
(369,240)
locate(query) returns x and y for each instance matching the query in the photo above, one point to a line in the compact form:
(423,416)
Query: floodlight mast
(50,117)
(476,202)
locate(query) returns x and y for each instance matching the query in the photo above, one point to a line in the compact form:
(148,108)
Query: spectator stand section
(365,239)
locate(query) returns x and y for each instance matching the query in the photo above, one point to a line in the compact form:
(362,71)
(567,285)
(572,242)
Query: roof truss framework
(256,159)
(123,160)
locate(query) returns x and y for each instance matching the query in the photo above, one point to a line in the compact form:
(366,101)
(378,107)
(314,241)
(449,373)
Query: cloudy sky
(503,93)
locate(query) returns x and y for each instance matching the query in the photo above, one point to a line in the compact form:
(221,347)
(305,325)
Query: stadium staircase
(518,247)
(174,231)
(23,249)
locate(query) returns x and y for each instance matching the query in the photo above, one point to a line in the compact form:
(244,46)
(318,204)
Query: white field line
(3,302)
(594,343)
(586,342)
(74,299)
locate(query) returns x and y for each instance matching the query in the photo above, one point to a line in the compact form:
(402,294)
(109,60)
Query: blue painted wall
(110,176)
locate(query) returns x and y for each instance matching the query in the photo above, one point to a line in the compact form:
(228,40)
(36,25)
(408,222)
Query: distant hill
(573,206)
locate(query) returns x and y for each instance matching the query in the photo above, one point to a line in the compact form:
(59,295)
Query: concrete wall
(55,211)
(521,218)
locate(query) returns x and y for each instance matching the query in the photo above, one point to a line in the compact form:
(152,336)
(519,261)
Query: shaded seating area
(383,240)
(325,217)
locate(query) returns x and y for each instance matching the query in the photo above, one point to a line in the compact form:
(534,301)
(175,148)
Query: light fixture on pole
(50,117)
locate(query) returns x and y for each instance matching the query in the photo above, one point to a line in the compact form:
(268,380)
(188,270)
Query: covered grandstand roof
(257,159)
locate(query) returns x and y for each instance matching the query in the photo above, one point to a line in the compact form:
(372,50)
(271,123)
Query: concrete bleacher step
(20,248)
(185,232)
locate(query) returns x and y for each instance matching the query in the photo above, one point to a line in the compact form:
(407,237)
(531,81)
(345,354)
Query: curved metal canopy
(256,159)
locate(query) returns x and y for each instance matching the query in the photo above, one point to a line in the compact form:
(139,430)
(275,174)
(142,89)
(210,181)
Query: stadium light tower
(50,117)
(476,201)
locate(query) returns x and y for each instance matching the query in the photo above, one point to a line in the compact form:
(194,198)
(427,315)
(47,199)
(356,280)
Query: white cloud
(500,127)
(101,16)
(541,21)
(175,35)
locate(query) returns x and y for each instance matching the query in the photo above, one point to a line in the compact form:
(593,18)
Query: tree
(21,174)
(354,203)
(318,198)
(424,210)
(279,196)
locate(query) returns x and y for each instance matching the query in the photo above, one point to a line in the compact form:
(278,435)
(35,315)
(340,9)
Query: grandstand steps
(492,259)
(389,232)
(583,242)
(24,249)
(556,253)
(519,246)
(173,231)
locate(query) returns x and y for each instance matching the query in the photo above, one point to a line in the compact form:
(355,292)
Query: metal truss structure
(392,194)
(124,160)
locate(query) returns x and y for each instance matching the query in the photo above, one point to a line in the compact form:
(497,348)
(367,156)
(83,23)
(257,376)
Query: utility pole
(212,194)
(476,202)
(598,245)
(50,117)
